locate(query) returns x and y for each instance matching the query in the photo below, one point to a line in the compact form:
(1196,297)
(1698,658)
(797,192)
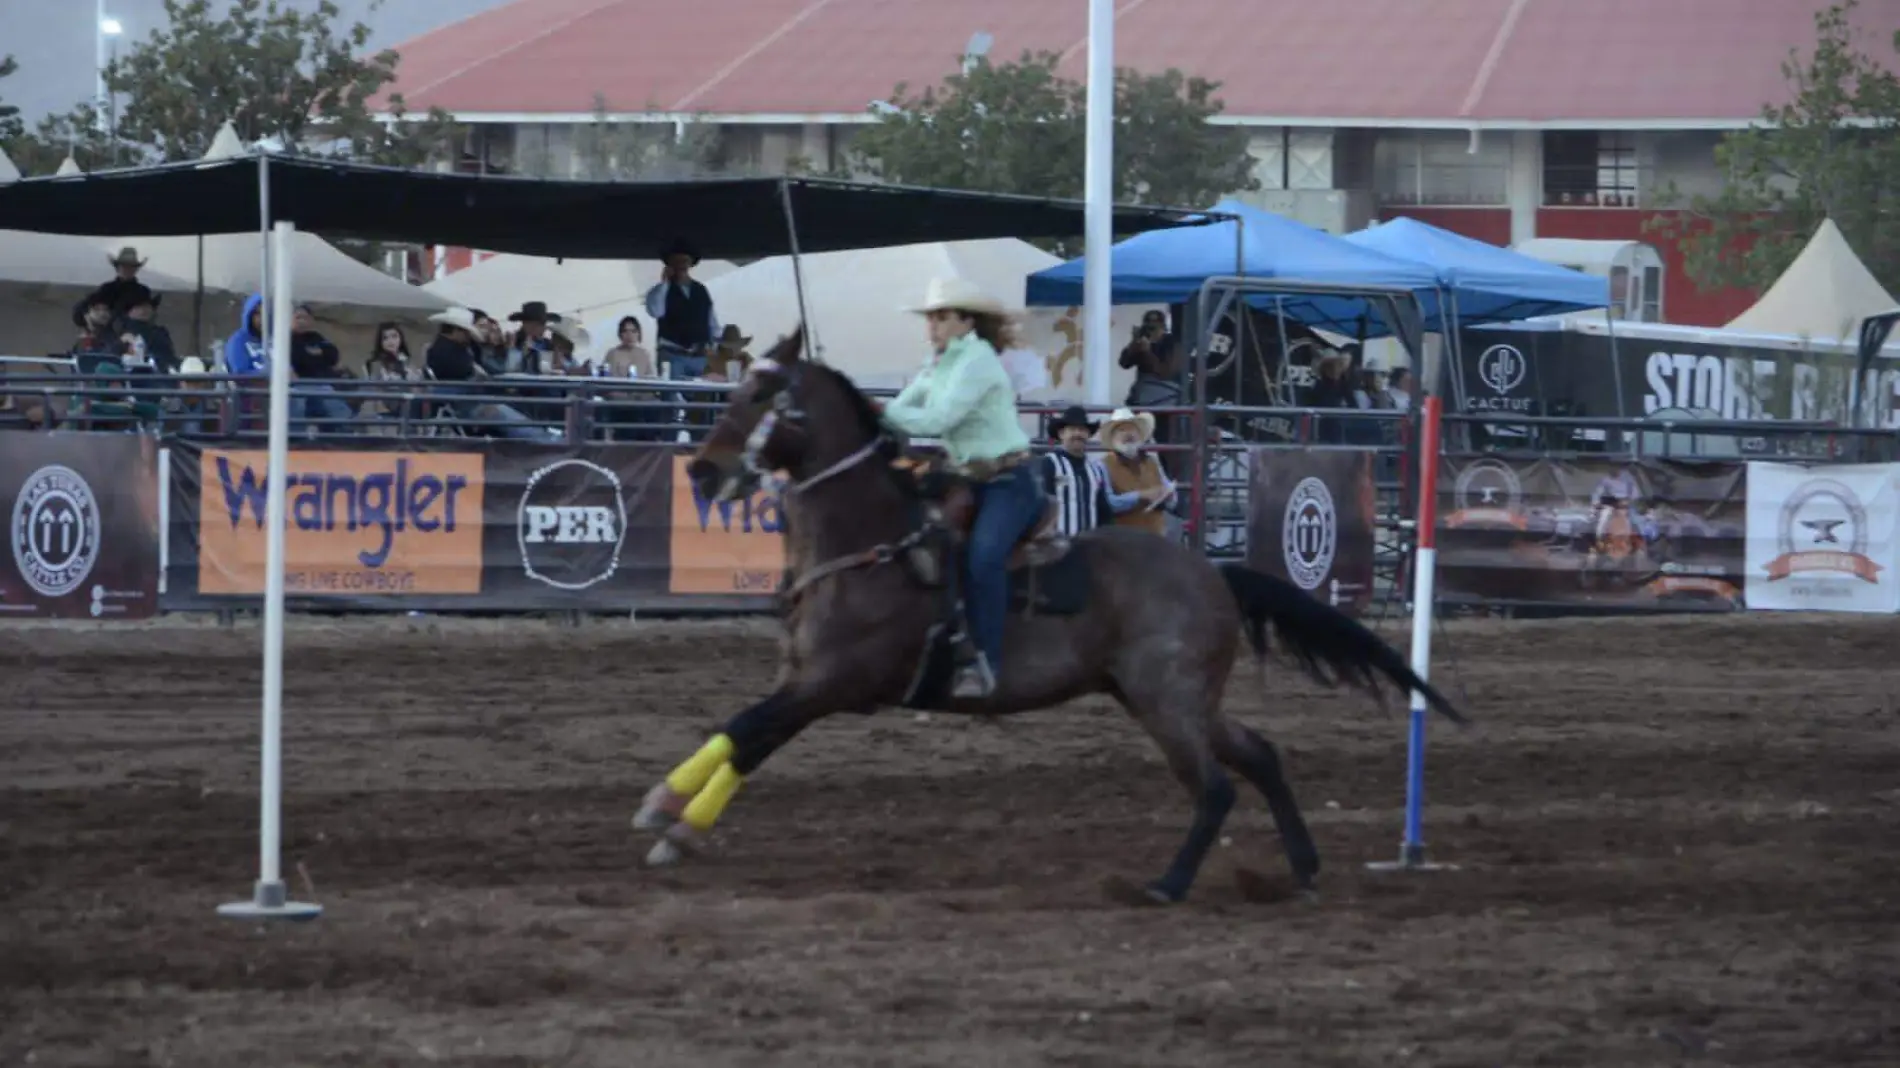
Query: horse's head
(787,415)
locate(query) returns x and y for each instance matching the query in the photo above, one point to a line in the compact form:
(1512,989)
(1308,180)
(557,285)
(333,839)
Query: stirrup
(975,680)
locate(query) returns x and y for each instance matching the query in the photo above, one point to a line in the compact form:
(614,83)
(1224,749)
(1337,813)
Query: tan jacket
(1143,474)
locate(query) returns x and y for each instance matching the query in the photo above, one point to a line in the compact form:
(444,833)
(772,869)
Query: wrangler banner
(1587,532)
(1310,521)
(451,525)
(724,547)
(82,526)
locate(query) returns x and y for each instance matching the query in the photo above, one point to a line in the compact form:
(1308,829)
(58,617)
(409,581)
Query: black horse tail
(1328,644)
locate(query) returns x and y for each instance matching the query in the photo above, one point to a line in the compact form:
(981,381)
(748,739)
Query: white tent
(502,283)
(8,172)
(340,288)
(855,302)
(1824,293)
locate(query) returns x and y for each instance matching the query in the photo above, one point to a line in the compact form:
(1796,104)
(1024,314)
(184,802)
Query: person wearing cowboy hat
(1075,480)
(729,358)
(530,349)
(122,291)
(1134,472)
(452,357)
(683,314)
(571,342)
(964,397)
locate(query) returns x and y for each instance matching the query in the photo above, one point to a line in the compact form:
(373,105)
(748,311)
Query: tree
(1021,128)
(1831,151)
(292,77)
(11,127)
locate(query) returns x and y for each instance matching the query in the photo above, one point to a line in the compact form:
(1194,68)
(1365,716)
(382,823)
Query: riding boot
(975,681)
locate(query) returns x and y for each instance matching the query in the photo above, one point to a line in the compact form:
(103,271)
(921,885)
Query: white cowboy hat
(460,318)
(192,365)
(958,294)
(1143,421)
(572,330)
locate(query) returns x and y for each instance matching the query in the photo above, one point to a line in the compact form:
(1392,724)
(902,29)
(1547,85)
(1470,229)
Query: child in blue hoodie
(247,352)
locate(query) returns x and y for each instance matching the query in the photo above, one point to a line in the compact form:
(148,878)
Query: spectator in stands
(729,358)
(196,412)
(245,352)
(125,287)
(490,343)
(1331,390)
(389,367)
(629,359)
(147,342)
(1398,388)
(568,340)
(97,335)
(315,364)
(1132,468)
(452,359)
(682,308)
(530,348)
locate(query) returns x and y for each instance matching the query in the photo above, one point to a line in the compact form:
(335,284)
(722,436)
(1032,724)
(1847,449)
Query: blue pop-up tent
(1486,284)
(1169,266)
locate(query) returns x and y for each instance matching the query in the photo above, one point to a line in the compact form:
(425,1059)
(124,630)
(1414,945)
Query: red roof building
(1502,119)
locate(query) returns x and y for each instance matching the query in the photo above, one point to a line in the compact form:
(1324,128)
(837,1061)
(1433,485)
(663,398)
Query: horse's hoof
(1128,892)
(658,809)
(665,853)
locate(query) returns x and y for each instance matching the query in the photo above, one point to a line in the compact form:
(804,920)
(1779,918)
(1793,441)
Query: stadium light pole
(269,901)
(104,30)
(1098,180)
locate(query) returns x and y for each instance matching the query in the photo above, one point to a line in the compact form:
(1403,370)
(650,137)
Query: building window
(1591,169)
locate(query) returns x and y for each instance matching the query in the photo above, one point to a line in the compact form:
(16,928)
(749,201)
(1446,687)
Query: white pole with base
(270,901)
(1098,223)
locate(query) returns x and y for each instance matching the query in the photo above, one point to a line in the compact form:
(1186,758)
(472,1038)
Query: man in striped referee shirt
(1077,481)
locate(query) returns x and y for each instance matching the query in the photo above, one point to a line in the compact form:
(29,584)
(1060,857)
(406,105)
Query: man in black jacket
(314,362)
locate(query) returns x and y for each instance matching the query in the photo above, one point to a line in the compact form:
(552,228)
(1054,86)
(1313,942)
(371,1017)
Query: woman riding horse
(1144,620)
(964,397)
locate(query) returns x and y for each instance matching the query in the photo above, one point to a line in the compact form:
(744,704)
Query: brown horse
(1121,612)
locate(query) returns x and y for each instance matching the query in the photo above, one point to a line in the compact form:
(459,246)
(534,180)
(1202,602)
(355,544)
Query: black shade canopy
(726,218)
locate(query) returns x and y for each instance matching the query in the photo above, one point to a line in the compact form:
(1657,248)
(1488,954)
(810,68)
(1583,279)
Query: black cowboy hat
(680,247)
(534,311)
(1074,415)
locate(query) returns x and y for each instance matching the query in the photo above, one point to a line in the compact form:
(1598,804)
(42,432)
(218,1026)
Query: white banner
(1823,538)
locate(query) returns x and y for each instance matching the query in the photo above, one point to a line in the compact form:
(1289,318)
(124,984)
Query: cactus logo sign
(357,523)
(724,546)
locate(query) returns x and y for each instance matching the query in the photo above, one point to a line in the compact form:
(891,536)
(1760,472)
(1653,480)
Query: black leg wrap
(758,732)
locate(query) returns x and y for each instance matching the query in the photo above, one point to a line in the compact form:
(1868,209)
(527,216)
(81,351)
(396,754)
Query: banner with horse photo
(1310,521)
(1608,533)
(82,512)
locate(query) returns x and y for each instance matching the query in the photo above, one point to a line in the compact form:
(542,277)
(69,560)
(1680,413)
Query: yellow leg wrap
(690,777)
(704,810)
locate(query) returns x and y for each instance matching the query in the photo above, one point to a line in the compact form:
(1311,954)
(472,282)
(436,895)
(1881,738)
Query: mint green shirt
(966,400)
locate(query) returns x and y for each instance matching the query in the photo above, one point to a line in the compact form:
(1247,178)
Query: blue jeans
(1006,507)
(321,402)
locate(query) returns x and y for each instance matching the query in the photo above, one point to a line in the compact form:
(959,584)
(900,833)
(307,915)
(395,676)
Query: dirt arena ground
(1678,841)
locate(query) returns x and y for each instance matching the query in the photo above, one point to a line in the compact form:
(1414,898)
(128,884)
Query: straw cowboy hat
(192,365)
(570,329)
(958,294)
(1143,422)
(127,257)
(460,318)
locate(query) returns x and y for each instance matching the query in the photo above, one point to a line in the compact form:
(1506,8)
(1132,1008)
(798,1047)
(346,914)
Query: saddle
(1045,576)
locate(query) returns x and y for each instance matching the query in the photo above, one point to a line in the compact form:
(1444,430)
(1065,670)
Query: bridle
(785,412)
